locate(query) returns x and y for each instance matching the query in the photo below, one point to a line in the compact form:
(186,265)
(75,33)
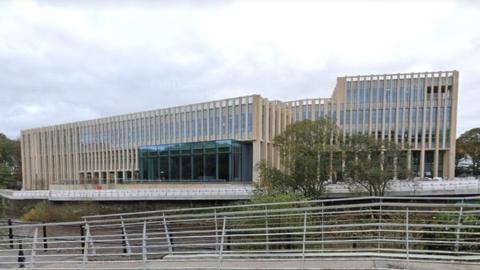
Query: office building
(221,141)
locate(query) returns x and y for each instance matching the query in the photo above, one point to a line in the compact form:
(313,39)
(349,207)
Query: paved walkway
(264,264)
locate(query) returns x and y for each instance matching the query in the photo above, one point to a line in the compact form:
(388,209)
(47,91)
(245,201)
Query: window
(243,118)
(224,121)
(205,122)
(250,119)
(192,123)
(186,167)
(380,92)
(230,119)
(407,91)
(187,126)
(236,119)
(210,122)
(415,93)
(199,122)
(217,121)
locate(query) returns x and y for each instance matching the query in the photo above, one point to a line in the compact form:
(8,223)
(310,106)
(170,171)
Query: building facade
(223,140)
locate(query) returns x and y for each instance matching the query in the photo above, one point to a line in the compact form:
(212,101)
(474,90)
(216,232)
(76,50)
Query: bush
(48,212)
(277,198)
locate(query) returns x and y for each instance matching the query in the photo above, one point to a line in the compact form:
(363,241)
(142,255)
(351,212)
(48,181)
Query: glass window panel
(236,165)
(230,122)
(205,122)
(174,168)
(237,112)
(186,167)
(223,146)
(163,168)
(210,167)
(217,121)
(210,122)
(210,147)
(224,120)
(224,166)
(243,118)
(198,167)
(192,123)
(250,118)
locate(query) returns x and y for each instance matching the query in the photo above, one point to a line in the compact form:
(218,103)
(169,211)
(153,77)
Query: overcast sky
(68,61)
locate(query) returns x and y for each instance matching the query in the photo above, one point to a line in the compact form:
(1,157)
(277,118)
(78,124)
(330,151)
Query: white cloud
(68,61)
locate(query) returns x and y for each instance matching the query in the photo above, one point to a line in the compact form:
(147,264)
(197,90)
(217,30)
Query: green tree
(469,143)
(7,176)
(305,149)
(10,161)
(372,164)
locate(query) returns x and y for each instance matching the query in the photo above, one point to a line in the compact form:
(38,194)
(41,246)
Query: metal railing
(233,191)
(407,229)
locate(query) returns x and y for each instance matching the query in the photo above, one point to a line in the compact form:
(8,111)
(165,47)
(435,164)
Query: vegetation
(372,164)
(45,211)
(10,162)
(277,198)
(469,144)
(312,152)
(305,149)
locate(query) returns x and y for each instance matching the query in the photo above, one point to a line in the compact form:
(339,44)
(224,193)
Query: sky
(65,61)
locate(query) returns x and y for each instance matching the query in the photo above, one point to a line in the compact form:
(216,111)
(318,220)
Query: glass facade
(223,160)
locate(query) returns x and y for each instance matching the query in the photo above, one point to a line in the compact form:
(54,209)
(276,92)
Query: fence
(407,229)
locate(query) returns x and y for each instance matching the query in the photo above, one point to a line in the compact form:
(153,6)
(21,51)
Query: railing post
(125,242)
(82,238)
(33,250)
(304,238)
(144,244)
(459,224)
(167,234)
(10,232)
(45,244)
(267,245)
(407,238)
(321,227)
(216,229)
(85,246)
(90,238)
(220,255)
(380,226)
(21,255)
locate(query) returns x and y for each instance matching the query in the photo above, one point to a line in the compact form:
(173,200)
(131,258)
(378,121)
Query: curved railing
(407,229)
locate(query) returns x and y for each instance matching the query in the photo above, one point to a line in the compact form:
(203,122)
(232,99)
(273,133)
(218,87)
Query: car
(437,179)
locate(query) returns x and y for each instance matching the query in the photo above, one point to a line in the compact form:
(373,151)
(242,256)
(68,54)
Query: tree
(305,149)
(7,177)
(469,143)
(372,164)
(10,161)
